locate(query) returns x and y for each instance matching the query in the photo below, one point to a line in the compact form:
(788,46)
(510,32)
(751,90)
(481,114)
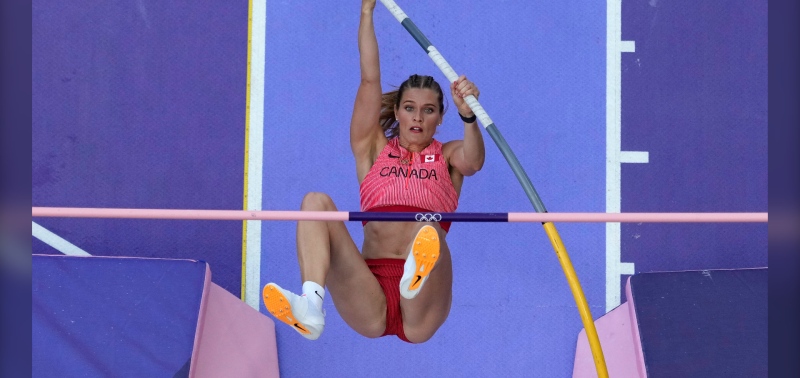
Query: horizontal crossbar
(274,215)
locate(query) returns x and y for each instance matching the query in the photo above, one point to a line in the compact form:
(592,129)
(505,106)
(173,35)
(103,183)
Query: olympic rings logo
(425,217)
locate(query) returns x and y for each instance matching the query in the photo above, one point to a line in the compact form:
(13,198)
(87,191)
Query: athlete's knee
(373,332)
(317,201)
(419,335)
(370,329)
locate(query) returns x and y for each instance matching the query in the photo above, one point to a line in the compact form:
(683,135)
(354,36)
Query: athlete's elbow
(477,164)
(370,79)
(472,169)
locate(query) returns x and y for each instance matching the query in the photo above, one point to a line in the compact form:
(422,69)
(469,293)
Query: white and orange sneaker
(294,310)
(420,261)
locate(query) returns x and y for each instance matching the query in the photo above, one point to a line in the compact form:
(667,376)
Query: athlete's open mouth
(416,129)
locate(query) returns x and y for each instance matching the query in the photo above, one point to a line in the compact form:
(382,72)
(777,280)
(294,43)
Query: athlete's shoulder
(448,147)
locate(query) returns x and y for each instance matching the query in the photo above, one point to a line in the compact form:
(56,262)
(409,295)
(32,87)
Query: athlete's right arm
(365,131)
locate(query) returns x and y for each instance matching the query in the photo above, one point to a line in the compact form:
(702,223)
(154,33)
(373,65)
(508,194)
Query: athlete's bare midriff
(390,240)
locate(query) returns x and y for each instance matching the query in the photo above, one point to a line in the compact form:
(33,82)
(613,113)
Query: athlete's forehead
(422,96)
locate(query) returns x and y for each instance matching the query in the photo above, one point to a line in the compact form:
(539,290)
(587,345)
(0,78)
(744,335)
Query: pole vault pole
(550,228)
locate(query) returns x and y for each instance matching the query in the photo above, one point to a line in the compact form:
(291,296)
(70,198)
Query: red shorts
(388,272)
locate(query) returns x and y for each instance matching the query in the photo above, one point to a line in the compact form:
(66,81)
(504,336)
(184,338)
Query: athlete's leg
(328,256)
(428,310)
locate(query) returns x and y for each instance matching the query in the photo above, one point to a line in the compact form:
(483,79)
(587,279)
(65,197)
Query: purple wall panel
(694,94)
(141,105)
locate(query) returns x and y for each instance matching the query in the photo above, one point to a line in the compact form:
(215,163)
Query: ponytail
(388,119)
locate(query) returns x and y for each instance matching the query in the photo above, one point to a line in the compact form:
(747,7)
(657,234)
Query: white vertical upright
(255,152)
(615,268)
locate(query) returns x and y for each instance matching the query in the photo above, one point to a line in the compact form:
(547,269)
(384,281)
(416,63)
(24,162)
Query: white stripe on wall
(55,241)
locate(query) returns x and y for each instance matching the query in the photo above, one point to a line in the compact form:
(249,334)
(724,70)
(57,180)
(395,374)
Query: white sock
(314,292)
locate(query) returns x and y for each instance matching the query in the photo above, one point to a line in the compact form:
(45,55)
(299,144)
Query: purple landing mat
(709,323)
(120,317)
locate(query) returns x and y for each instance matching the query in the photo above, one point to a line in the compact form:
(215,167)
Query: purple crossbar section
(429,217)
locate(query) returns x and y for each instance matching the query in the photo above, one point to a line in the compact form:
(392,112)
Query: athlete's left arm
(468,155)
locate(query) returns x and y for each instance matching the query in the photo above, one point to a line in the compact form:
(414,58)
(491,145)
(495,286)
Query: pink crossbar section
(634,322)
(640,217)
(234,341)
(614,332)
(96,212)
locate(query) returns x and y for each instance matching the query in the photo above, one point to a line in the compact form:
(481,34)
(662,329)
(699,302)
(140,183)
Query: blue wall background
(541,71)
(143,105)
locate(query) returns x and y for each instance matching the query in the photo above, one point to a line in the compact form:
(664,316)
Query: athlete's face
(418,115)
